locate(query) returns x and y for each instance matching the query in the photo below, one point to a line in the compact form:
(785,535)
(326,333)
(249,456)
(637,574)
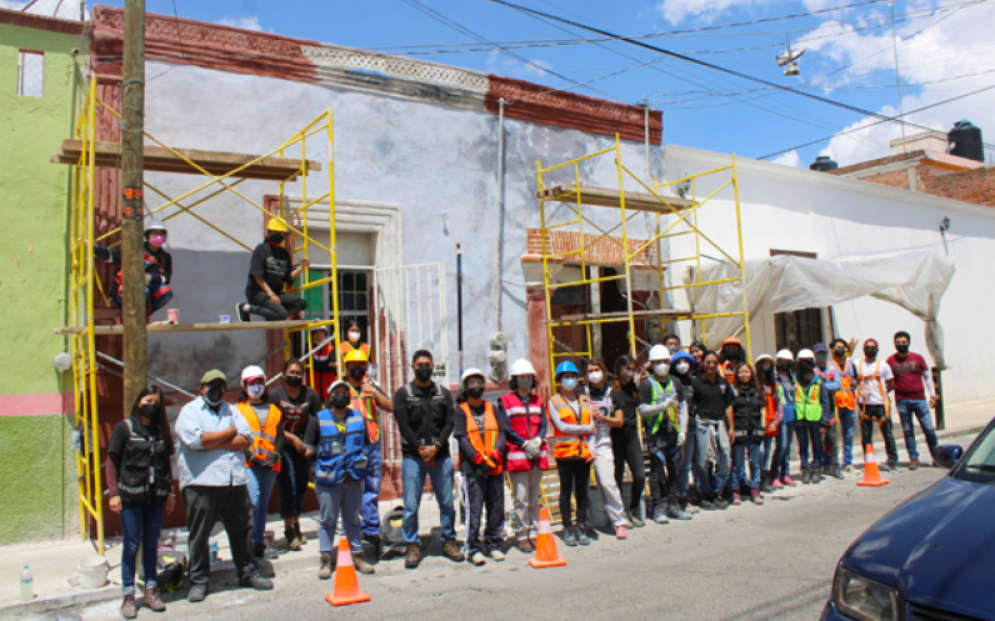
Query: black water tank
(824,163)
(965,140)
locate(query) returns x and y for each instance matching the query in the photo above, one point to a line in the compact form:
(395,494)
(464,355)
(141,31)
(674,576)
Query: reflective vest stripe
(366,406)
(263,449)
(339,453)
(845,398)
(525,420)
(566,446)
(484,443)
(659,395)
(808,406)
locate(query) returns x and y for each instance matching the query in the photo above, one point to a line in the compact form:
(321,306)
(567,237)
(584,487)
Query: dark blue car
(932,558)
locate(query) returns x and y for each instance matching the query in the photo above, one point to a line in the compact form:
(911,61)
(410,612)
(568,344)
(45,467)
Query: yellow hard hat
(277,226)
(355,355)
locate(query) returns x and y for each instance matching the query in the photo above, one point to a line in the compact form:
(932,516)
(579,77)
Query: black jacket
(424,417)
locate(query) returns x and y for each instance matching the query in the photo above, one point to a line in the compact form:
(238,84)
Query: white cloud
(501,64)
(791,158)
(245,23)
(676,11)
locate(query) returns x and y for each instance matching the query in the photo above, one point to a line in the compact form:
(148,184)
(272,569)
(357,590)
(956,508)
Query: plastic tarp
(785,283)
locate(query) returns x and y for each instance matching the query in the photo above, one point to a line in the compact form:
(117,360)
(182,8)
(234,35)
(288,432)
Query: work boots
(675,512)
(450,550)
(129,609)
(361,564)
(325,569)
(152,600)
(300,535)
(412,558)
(293,539)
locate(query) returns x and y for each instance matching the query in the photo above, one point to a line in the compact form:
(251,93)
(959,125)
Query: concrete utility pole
(132,209)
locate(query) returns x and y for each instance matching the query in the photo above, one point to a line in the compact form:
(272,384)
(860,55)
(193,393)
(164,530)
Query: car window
(980,462)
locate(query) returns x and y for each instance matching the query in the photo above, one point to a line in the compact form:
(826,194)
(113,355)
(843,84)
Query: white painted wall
(790,209)
(438,163)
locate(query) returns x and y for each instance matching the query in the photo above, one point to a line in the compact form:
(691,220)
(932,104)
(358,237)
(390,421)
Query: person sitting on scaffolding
(270,270)
(158,268)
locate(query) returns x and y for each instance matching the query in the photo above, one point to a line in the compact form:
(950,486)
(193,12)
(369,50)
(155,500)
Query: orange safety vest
(566,446)
(263,450)
(323,380)
(347,347)
(771,400)
(875,376)
(484,443)
(845,399)
(728,372)
(367,406)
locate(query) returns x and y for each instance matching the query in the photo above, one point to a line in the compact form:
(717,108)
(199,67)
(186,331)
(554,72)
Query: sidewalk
(54,563)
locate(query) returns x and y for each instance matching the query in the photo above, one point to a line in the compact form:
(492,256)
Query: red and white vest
(525,421)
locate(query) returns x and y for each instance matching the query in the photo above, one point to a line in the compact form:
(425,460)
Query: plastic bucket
(92,572)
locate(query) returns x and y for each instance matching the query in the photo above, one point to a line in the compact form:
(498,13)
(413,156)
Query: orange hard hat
(732,340)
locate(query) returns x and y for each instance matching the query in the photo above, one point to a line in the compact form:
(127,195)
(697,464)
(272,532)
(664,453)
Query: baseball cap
(213,374)
(820,348)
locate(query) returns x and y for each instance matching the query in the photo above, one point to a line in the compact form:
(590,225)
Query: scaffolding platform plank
(191,327)
(160,159)
(671,314)
(603,197)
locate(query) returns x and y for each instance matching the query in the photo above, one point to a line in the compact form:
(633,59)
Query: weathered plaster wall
(438,163)
(32,281)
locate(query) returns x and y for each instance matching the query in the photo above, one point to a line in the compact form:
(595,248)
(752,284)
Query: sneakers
(765,485)
(838,473)
(478,558)
(377,542)
(569,537)
(582,536)
(736,500)
(496,555)
(806,477)
(362,565)
(293,541)
(660,517)
(777,484)
(152,600)
(720,504)
(847,468)
(707,505)
(675,512)
(525,546)
(198,593)
(913,464)
(756,497)
(257,582)
(451,551)
(412,557)
(621,532)
(242,312)
(636,522)
(129,609)
(816,477)
(788,481)
(325,569)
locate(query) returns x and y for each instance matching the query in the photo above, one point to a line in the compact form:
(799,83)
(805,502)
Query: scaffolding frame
(81,330)
(646,255)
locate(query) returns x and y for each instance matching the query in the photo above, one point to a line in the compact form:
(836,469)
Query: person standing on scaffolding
(323,361)
(158,268)
(354,341)
(270,270)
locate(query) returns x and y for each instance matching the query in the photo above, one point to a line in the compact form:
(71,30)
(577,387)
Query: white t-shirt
(869,390)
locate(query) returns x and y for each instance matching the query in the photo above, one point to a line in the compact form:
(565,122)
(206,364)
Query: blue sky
(945,51)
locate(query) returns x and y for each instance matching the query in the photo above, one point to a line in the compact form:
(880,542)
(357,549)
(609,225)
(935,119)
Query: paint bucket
(92,572)
(174,315)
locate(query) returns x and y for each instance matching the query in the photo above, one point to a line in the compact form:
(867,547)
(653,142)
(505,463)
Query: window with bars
(31,73)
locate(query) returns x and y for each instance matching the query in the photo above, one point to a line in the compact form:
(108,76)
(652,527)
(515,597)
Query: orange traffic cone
(346,583)
(872,476)
(546,554)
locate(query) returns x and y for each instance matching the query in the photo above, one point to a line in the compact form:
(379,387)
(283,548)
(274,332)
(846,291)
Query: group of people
(700,411)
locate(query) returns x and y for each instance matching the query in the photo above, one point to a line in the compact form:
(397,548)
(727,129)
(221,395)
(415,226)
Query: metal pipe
(157,380)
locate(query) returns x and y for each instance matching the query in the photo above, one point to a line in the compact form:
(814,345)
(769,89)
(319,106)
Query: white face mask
(595,377)
(525,383)
(682,367)
(354,337)
(673,348)
(570,383)
(255,390)
(661,368)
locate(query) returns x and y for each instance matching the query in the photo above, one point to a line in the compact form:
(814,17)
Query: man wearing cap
(813,412)
(875,380)
(270,270)
(829,463)
(213,480)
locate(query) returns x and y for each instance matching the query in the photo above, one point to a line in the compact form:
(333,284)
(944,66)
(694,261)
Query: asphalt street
(770,562)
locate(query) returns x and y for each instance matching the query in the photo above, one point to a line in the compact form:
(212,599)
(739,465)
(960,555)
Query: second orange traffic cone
(546,554)
(872,475)
(346,582)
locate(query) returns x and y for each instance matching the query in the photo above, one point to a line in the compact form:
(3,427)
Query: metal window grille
(31,73)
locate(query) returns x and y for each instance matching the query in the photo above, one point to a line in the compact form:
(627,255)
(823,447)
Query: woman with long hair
(713,407)
(626,446)
(570,412)
(747,433)
(606,418)
(140,484)
(697,350)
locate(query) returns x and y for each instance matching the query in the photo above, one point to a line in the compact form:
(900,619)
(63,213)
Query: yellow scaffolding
(85,154)
(646,255)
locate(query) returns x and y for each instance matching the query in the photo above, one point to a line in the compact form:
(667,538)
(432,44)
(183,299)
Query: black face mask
(214,395)
(293,381)
(784,366)
(870,353)
(731,354)
(423,373)
(902,349)
(149,411)
(357,373)
(476,392)
(806,367)
(340,402)
(276,238)
(839,352)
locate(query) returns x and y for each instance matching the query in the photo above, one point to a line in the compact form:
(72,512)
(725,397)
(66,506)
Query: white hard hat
(763,357)
(806,353)
(252,372)
(152,224)
(470,373)
(785,354)
(659,352)
(522,367)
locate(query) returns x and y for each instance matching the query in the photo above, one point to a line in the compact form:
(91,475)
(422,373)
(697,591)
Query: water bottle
(27,585)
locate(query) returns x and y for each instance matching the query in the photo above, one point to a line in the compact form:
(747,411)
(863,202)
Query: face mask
(475,392)
(839,352)
(293,381)
(682,367)
(784,366)
(214,395)
(806,366)
(354,337)
(595,377)
(902,349)
(357,373)
(149,411)
(731,354)
(570,383)
(255,390)
(423,373)
(661,368)
(525,383)
(672,348)
(870,352)
(276,238)
(157,240)
(340,402)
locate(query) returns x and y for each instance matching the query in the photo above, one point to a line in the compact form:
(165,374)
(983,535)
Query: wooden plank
(191,327)
(624,316)
(603,197)
(160,159)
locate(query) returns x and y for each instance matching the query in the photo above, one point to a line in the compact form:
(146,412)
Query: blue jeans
(140,526)
(737,476)
(848,421)
(371,490)
(906,409)
(768,460)
(345,500)
(782,455)
(260,486)
(809,434)
(413,471)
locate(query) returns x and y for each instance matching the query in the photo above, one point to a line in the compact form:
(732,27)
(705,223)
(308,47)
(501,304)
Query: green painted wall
(37,499)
